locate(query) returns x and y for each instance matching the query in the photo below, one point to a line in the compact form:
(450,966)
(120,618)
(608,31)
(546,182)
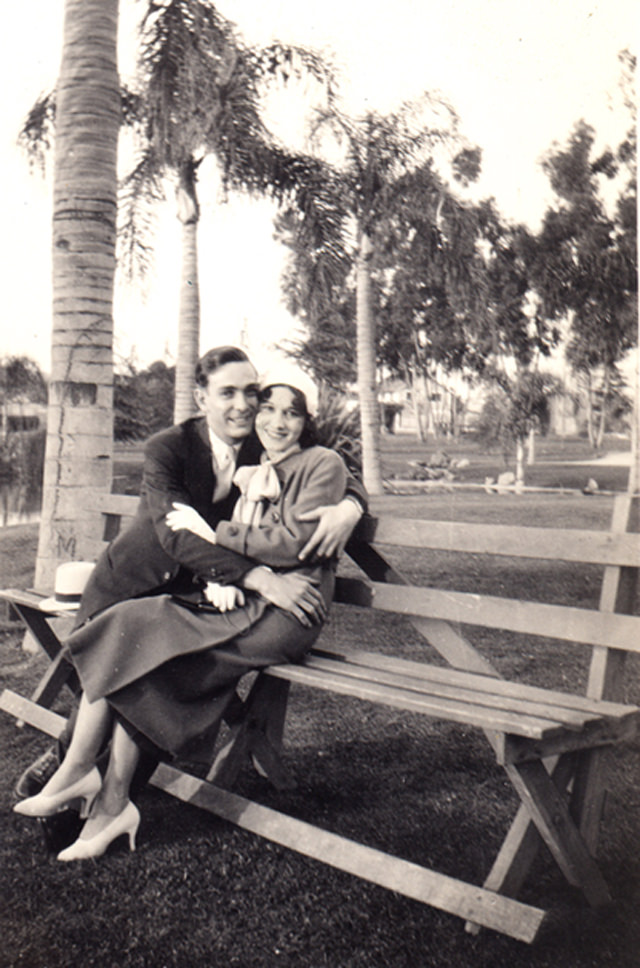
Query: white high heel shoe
(45,805)
(126,822)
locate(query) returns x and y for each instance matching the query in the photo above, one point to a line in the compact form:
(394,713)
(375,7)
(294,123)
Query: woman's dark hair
(215,358)
(309,435)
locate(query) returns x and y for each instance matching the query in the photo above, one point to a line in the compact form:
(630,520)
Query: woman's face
(279,421)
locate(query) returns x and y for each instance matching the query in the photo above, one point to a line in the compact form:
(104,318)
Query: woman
(162,675)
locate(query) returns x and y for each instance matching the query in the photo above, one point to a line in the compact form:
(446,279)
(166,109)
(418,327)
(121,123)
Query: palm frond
(338,428)
(139,193)
(37,131)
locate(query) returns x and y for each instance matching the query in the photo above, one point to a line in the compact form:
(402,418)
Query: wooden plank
(450,643)
(20,596)
(555,544)
(565,622)
(604,732)
(125,505)
(445,893)
(549,811)
(31,713)
(434,706)
(513,702)
(479,683)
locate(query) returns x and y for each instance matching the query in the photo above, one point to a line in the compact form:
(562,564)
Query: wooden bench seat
(550,742)
(469,698)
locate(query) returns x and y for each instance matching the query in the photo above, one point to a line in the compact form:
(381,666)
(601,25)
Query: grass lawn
(202,893)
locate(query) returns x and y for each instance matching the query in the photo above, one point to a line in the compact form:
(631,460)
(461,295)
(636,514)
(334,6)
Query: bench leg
(257,735)
(550,813)
(40,629)
(60,671)
(522,843)
(59,674)
(607,677)
(589,794)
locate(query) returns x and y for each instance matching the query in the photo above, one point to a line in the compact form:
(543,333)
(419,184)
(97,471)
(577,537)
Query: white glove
(186,518)
(224,597)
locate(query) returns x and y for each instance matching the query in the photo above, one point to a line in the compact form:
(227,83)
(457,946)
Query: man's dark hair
(215,358)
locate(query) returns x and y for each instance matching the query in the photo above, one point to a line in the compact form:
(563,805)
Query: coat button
(275,516)
(166,576)
(233,531)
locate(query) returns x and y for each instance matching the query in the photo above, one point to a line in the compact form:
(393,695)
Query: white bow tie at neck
(257,483)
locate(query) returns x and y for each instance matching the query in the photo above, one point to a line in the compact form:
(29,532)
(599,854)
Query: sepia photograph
(320,485)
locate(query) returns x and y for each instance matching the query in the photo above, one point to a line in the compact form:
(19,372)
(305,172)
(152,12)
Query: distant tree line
(143,400)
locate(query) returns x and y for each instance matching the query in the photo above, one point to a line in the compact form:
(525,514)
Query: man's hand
(292,592)
(224,597)
(335,524)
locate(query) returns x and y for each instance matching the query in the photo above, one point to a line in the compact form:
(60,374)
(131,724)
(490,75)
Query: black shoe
(35,776)
(60,830)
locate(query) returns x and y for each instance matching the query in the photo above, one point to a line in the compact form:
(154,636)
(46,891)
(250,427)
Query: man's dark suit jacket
(147,557)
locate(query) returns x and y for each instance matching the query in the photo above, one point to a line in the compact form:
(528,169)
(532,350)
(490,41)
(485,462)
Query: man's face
(230,400)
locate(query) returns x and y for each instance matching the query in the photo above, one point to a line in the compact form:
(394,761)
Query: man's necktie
(225,469)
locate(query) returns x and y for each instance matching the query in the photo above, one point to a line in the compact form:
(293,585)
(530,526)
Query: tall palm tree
(79,431)
(200,94)
(378,152)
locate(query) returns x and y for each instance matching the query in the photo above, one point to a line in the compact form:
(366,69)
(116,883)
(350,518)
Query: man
(193,463)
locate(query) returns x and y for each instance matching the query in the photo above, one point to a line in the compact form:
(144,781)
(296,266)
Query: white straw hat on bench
(71,578)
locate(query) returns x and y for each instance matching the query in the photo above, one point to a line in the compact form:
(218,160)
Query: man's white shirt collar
(221,450)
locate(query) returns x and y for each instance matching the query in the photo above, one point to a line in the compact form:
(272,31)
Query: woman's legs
(114,795)
(93,724)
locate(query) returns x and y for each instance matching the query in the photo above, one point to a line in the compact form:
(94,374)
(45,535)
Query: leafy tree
(143,401)
(316,290)
(515,408)
(377,154)
(586,263)
(21,378)
(21,452)
(80,413)
(429,274)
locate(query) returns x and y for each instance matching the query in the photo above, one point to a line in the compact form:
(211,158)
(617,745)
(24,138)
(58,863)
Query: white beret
(289,375)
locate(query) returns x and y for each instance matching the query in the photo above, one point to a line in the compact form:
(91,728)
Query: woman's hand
(185,518)
(291,592)
(224,597)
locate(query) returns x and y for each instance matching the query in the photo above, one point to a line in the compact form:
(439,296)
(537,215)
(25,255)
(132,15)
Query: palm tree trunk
(189,313)
(79,444)
(367,384)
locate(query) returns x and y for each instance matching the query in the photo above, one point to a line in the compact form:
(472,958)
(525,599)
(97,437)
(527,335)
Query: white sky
(519,74)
